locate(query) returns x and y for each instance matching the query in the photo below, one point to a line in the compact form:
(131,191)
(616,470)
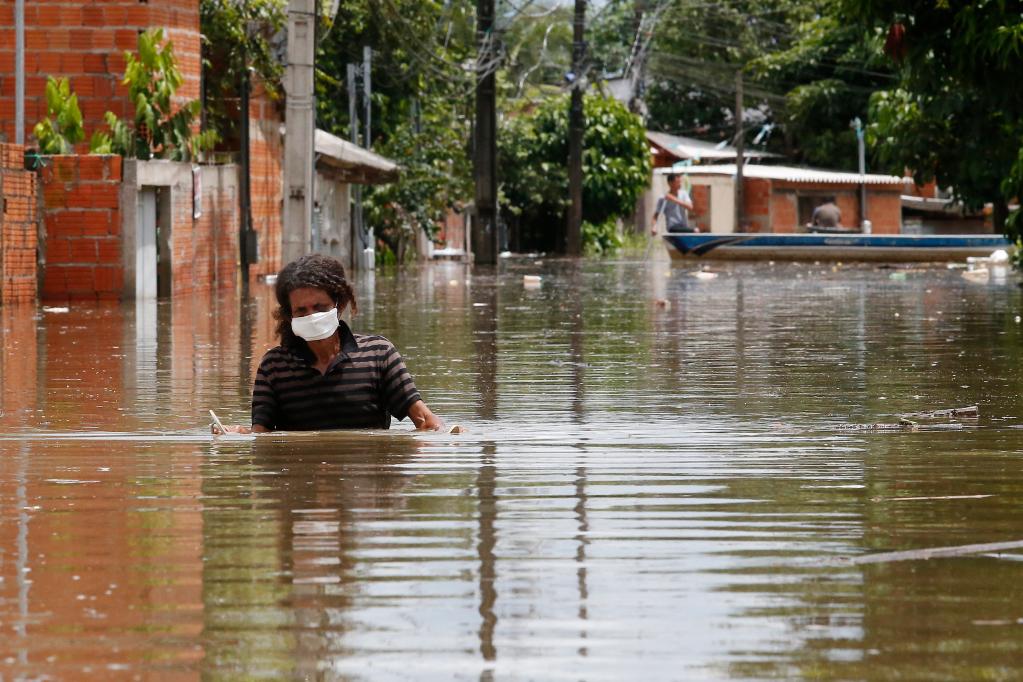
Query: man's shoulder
(373,344)
(279,354)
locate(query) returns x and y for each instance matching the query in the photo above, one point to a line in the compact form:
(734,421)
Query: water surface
(657,483)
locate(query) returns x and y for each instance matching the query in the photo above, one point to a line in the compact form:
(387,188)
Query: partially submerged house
(782,198)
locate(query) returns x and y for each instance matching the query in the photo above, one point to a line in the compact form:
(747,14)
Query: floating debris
(925,554)
(531,281)
(55,309)
(970,411)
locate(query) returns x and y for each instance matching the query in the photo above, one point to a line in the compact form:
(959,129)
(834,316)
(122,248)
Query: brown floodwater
(657,483)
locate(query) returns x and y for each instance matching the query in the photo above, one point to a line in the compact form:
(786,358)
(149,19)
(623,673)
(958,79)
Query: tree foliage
(238,37)
(59,134)
(533,160)
(423,54)
(954,117)
(159,129)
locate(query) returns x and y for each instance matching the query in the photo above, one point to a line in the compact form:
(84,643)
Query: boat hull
(832,247)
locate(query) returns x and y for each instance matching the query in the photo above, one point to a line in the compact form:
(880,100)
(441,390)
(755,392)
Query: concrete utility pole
(19,72)
(576,128)
(740,157)
(300,131)
(484,225)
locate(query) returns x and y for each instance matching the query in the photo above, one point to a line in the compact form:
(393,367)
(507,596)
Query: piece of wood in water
(971,411)
(925,554)
(936,497)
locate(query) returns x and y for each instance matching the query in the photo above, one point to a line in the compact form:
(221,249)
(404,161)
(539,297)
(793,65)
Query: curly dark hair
(315,271)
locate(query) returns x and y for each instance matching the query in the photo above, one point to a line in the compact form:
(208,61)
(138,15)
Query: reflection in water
(646,490)
(485,546)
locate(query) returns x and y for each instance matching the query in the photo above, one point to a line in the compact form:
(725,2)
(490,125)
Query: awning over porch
(348,162)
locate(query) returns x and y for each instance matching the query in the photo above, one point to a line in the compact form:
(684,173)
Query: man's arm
(686,202)
(423,418)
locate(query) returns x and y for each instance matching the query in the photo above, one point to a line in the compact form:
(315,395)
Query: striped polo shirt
(362,387)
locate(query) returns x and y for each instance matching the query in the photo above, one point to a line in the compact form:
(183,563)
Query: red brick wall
(85,40)
(82,228)
(784,211)
(756,201)
(266,151)
(204,252)
(18,241)
(700,215)
(884,210)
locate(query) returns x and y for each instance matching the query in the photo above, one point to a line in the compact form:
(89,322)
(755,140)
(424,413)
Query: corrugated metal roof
(697,150)
(790,174)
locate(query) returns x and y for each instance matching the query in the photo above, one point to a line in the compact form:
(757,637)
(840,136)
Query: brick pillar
(18,241)
(82,219)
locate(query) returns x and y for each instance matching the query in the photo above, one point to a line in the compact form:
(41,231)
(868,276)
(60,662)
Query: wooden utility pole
(739,153)
(484,225)
(299,131)
(576,128)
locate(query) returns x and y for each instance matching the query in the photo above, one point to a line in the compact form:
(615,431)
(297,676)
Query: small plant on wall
(158,130)
(61,130)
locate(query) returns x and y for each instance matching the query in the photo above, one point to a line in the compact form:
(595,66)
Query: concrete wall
(18,241)
(85,40)
(203,253)
(333,213)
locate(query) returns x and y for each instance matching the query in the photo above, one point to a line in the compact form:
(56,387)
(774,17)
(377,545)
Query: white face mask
(317,326)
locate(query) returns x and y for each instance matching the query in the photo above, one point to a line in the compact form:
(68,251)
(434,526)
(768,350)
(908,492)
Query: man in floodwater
(323,376)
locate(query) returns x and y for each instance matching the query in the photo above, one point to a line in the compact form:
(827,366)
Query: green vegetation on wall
(59,134)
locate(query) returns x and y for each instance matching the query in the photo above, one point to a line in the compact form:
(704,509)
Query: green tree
(423,88)
(238,37)
(60,134)
(829,72)
(159,129)
(534,171)
(954,117)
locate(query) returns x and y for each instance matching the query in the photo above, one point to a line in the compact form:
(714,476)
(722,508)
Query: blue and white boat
(833,247)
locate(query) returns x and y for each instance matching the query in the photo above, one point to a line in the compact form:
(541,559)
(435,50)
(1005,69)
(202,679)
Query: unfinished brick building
(85,41)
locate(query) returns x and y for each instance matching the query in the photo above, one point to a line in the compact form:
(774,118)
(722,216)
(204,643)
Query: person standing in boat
(323,376)
(675,206)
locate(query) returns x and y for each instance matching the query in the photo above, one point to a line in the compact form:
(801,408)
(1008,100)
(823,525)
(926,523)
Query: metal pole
(484,227)
(740,157)
(300,131)
(19,72)
(861,151)
(576,129)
